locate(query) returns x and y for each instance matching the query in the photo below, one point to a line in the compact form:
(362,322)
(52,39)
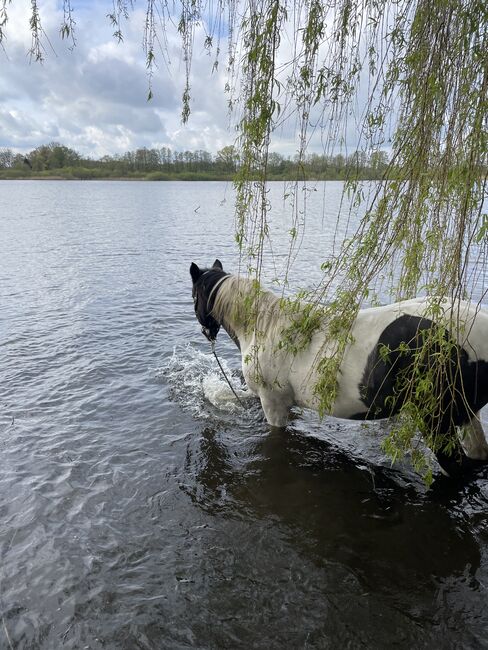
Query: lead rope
(212,345)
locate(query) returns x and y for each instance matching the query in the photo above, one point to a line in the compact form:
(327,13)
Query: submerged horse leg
(470,452)
(456,463)
(276,407)
(473,439)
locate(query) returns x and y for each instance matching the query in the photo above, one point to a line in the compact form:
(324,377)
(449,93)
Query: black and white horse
(366,378)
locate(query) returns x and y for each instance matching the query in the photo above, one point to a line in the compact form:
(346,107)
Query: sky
(93,98)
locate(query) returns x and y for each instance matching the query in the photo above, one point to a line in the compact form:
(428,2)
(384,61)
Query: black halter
(205,290)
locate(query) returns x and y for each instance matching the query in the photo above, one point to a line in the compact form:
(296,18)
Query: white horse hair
(283,379)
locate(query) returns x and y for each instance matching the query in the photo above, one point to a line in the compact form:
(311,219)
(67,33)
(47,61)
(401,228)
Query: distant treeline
(54,160)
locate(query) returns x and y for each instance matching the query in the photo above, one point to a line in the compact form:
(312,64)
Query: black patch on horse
(393,359)
(391,366)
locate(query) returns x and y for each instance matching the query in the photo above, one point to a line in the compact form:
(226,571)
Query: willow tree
(424,65)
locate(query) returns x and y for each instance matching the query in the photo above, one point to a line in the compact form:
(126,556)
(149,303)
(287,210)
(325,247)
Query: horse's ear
(194,272)
(218,265)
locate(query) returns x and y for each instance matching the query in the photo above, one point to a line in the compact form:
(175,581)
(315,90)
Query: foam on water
(219,393)
(195,380)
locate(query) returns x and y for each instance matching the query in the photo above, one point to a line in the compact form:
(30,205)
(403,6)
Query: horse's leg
(276,407)
(457,463)
(454,464)
(473,439)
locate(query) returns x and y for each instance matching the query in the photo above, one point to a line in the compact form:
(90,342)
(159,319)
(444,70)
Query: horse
(367,377)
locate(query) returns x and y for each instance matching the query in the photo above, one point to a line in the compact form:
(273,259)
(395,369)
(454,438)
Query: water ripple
(141,506)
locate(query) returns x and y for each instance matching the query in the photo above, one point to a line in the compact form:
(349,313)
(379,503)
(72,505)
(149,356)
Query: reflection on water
(382,556)
(136,513)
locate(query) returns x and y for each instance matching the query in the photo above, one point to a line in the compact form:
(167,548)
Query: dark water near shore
(140,507)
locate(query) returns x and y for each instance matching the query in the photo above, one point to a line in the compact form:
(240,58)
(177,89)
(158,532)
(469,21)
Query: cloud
(94,98)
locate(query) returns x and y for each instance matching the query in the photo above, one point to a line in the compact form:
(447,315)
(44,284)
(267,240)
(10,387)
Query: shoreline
(187,177)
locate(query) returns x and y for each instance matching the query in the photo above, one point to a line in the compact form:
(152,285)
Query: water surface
(136,513)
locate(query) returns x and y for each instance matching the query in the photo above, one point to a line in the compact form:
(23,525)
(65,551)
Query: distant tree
(165,157)
(140,159)
(276,162)
(189,159)
(227,158)
(378,161)
(18,161)
(203,160)
(39,158)
(6,158)
(107,160)
(153,162)
(338,161)
(177,160)
(53,156)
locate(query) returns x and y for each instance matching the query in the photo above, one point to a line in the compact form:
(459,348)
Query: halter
(206,330)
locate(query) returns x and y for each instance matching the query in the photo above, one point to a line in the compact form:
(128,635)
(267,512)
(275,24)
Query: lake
(141,507)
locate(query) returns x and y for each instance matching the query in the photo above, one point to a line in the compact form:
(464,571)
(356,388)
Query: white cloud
(94,98)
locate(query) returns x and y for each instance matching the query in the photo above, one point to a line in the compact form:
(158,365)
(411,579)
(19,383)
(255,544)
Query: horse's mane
(239,300)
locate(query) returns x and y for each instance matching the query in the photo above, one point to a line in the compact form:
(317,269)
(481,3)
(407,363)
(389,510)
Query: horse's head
(204,289)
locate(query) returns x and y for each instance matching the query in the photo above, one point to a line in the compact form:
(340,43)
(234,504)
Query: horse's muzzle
(210,333)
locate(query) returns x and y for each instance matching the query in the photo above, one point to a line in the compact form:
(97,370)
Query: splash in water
(195,380)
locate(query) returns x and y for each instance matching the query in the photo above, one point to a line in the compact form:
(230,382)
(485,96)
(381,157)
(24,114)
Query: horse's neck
(232,316)
(236,329)
(241,310)
(240,344)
